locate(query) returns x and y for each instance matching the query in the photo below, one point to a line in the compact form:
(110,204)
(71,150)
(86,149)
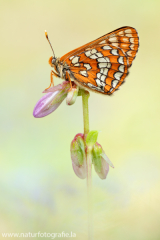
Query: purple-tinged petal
(64,85)
(53,89)
(80,170)
(104,170)
(50,101)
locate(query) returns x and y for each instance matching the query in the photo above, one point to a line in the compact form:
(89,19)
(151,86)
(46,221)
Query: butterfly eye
(53,60)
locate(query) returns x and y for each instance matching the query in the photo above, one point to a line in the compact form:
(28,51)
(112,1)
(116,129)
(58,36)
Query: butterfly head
(52,61)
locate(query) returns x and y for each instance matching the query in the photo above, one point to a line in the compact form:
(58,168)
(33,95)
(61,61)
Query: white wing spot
(131,40)
(101,60)
(113,39)
(77,65)
(104,65)
(128,31)
(93,56)
(121,60)
(90,85)
(106,47)
(100,83)
(118,75)
(88,53)
(99,54)
(129,53)
(132,46)
(75,60)
(104,59)
(107,59)
(71,58)
(98,75)
(87,65)
(129,35)
(115,44)
(115,52)
(125,39)
(93,51)
(84,73)
(109,65)
(114,83)
(121,33)
(105,71)
(103,77)
(121,68)
(104,41)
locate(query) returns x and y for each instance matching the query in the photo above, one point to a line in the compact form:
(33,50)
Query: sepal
(91,138)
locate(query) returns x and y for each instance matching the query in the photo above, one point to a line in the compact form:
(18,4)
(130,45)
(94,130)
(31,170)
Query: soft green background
(38,188)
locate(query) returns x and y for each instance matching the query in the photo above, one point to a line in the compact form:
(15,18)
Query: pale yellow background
(38,188)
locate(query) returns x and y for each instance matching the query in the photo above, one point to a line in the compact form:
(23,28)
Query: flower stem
(85,96)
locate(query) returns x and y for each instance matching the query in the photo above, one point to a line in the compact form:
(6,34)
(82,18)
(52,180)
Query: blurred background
(38,188)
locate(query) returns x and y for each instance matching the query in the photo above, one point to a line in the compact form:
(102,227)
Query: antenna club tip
(46,34)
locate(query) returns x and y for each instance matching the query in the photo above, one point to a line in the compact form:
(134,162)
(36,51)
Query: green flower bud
(100,161)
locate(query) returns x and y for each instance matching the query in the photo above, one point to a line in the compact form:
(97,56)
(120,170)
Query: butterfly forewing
(103,64)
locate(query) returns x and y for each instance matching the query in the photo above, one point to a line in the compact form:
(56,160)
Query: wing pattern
(103,64)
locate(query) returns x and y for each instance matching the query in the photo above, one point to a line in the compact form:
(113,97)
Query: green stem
(85,96)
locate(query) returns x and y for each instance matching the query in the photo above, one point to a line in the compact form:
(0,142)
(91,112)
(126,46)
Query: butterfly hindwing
(103,64)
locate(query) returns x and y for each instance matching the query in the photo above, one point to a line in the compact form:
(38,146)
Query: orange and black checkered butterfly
(102,64)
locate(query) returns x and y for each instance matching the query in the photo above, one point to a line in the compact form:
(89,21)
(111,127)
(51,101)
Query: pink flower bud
(78,156)
(51,100)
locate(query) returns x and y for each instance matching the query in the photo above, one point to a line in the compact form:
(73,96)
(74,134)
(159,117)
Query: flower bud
(100,161)
(72,95)
(51,100)
(78,156)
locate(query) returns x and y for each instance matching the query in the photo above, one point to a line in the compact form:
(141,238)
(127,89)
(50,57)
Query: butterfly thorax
(60,67)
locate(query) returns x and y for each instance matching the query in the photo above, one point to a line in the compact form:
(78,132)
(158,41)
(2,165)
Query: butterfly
(100,65)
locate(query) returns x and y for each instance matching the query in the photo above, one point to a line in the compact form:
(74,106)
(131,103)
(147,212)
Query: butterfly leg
(51,77)
(69,79)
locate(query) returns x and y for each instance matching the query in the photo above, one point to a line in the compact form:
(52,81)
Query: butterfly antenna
(46,34)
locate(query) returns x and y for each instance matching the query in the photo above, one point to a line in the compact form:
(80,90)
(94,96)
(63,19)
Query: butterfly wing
(103,64)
